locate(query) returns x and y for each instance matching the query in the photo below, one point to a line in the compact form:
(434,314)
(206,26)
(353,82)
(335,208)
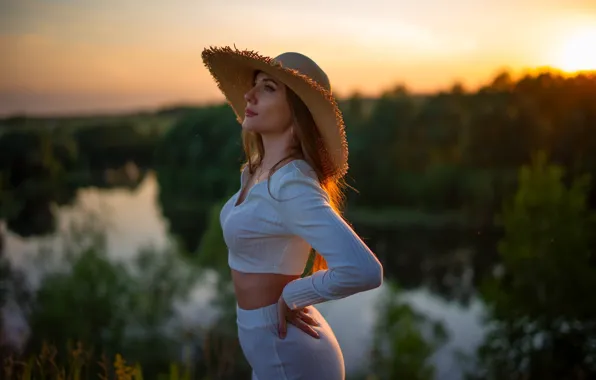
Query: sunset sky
(81,56)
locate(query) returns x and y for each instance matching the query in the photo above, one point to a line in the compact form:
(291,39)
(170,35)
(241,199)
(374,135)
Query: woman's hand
(298,318)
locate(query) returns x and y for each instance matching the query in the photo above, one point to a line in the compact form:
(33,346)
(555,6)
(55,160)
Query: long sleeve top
(278,222)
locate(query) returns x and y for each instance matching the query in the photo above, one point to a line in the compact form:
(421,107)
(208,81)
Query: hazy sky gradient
(65,56)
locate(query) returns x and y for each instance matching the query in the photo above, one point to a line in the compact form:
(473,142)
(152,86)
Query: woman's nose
(250,96)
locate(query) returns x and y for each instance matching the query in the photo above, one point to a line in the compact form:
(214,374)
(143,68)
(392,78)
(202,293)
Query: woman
(288,202)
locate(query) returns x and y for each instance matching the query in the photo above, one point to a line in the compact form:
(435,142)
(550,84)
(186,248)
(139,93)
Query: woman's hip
(297,356)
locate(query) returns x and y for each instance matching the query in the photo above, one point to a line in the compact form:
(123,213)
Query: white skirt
(298,356)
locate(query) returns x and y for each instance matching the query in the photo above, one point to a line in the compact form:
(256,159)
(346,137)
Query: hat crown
(305,66)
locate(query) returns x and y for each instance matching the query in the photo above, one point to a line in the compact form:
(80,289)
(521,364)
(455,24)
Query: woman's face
(267,108)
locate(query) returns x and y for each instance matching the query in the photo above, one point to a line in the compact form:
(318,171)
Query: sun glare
(579,51)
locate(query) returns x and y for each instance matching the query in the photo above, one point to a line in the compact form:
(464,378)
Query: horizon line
(152,109)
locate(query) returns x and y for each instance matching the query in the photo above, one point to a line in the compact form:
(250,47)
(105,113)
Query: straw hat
(233,71)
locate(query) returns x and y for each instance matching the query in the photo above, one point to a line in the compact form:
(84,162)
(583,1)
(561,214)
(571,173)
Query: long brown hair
(308,146)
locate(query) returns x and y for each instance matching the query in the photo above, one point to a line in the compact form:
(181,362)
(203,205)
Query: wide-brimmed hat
(234,69)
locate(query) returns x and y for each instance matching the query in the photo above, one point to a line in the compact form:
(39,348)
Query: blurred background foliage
(482,194)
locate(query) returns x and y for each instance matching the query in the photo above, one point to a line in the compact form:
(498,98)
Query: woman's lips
(250,113)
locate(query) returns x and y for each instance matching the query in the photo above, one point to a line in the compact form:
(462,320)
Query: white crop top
(274,235)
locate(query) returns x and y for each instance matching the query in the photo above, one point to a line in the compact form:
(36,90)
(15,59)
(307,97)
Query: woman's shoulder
(295,178)
(301,167)
(296,169)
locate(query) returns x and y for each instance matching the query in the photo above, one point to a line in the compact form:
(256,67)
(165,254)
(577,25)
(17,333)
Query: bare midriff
(256,290)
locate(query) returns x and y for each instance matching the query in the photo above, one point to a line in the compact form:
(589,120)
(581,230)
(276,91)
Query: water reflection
(448,261)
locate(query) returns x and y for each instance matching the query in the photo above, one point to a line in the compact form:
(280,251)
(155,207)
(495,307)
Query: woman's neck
(276,148)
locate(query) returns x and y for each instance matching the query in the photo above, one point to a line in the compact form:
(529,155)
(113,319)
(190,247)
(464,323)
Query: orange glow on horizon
(102,56)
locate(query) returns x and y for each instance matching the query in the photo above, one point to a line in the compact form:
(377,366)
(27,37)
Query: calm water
(438,275)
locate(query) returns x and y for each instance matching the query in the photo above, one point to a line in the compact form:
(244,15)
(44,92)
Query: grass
(45,367)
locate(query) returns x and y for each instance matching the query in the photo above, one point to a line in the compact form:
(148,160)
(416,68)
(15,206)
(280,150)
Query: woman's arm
(304,209)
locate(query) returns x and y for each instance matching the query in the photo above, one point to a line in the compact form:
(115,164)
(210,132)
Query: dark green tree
(544,323)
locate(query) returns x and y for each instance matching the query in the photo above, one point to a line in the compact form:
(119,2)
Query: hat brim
(233,71)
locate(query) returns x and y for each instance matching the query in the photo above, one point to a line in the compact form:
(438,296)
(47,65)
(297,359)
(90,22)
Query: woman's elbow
(373,276)
(366,277)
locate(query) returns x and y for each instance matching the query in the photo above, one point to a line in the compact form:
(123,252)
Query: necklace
(258,172)
(257,175)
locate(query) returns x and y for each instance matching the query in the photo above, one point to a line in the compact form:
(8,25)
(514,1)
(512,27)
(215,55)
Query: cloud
(415,39)
(366,33)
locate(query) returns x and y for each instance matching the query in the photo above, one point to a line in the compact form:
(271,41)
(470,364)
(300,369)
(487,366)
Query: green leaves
(543,323)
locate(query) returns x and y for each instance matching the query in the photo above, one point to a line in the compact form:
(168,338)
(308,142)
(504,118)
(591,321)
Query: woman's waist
(257,290)
(276,260)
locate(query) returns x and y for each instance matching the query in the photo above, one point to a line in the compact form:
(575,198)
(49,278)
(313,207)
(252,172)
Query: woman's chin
(249,125)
